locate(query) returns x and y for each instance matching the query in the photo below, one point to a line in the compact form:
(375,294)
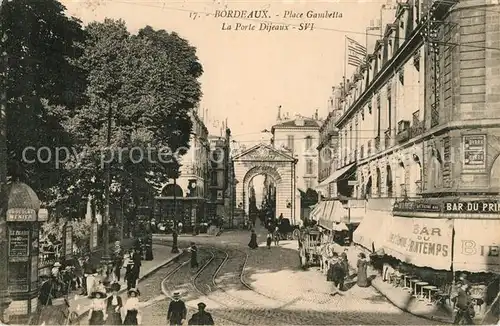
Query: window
(309,142)
(370,108)
(363,115)
(402,77)
(309,167)
(213,178)
(290,142)
(389,109)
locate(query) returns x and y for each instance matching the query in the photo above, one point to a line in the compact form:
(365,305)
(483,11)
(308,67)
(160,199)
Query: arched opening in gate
(260,193)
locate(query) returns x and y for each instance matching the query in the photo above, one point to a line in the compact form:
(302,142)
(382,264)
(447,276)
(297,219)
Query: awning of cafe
(370,232)
(325,219)
(476,245)
(334,176)
(424,242)
(317,211)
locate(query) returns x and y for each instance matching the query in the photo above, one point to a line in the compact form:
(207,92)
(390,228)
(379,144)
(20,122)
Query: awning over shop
(334,212)
(477,245)
(325,218)
(334,176)
(424,242)
(370,232)
(318,211)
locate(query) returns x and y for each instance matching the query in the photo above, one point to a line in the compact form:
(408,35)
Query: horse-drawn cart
(309,247)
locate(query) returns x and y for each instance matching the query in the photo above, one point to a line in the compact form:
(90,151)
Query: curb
(144,276)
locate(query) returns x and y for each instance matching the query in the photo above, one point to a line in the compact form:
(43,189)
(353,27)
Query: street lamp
(175,247)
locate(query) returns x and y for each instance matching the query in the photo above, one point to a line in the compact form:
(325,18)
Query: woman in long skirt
(253,240)
(114,306)
(362,271)
(97,313)
(131,307)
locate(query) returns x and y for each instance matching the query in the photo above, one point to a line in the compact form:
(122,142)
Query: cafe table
(406,278)
(430,289)
(413,286)
(421,284)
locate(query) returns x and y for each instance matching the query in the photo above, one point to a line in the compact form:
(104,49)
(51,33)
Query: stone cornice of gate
(263,153)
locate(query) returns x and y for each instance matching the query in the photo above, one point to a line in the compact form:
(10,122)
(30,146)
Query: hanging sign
(21,215)
(416,206)
(68,241)
(421,242)
(472,207)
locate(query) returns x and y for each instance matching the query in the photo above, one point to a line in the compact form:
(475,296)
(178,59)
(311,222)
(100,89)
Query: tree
(148,91)
(43,86)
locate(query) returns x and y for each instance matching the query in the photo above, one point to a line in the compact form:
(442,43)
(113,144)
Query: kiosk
(23,235)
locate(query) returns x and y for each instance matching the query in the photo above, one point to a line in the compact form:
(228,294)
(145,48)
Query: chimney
(279,114)
(316,115)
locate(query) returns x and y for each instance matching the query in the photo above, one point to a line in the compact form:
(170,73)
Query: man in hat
(87,271)
(201,317)
(117,261)
(463,305)
(176,310)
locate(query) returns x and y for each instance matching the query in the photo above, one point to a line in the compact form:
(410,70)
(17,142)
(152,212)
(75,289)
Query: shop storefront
(435,241)
(370,232)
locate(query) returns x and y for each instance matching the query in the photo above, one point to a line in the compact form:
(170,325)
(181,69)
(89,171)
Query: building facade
(220,176)
(300,137)
(419,126)
(184,199)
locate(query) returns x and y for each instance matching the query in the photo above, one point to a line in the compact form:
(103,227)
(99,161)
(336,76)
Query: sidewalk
(401,299)
(162,256)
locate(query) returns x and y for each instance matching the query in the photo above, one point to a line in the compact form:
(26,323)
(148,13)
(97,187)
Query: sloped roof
(308,123)
(263,152)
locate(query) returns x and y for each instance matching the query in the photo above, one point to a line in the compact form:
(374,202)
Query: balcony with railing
(387,138)
(377,143)
(417,127)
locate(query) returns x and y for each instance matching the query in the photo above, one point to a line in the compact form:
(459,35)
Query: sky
(248,74)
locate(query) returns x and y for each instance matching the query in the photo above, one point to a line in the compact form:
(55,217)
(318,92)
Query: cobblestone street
(273,289)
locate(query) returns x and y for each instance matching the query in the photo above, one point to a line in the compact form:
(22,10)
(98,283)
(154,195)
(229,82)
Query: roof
(309,123)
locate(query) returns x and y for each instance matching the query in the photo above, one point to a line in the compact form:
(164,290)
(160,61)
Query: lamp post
(175,248)
(105,259)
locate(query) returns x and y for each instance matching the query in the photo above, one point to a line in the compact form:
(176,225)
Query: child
(269,240)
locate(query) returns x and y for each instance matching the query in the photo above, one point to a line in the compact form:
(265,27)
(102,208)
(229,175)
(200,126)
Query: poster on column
(421,242)
(477,246)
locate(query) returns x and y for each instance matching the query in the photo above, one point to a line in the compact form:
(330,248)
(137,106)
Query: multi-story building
(220,203)
(185,198)
(420,124)
(300,137)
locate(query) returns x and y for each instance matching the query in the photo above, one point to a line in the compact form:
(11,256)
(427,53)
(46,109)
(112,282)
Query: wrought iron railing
(387,138)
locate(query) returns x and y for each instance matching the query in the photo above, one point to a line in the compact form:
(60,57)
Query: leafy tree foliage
(146,85)
(43,86)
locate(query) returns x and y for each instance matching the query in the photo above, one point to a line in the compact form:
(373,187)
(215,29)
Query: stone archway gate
(263,159)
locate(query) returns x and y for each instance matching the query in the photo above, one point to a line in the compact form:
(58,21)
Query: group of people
(338,271)
(111,310)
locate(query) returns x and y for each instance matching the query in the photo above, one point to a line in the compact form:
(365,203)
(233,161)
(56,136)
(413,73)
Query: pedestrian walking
(91,281)
(97,313)
(362,266)
(464,310)
(177,311)
(131,308)
(131,275)
(137,259)
(276,236)
(194,255)
(344,273)
(179,227)
(201,317)
(332,274)
(253,240)
(117,261)
(87,271)
(269,240)
(114,306)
